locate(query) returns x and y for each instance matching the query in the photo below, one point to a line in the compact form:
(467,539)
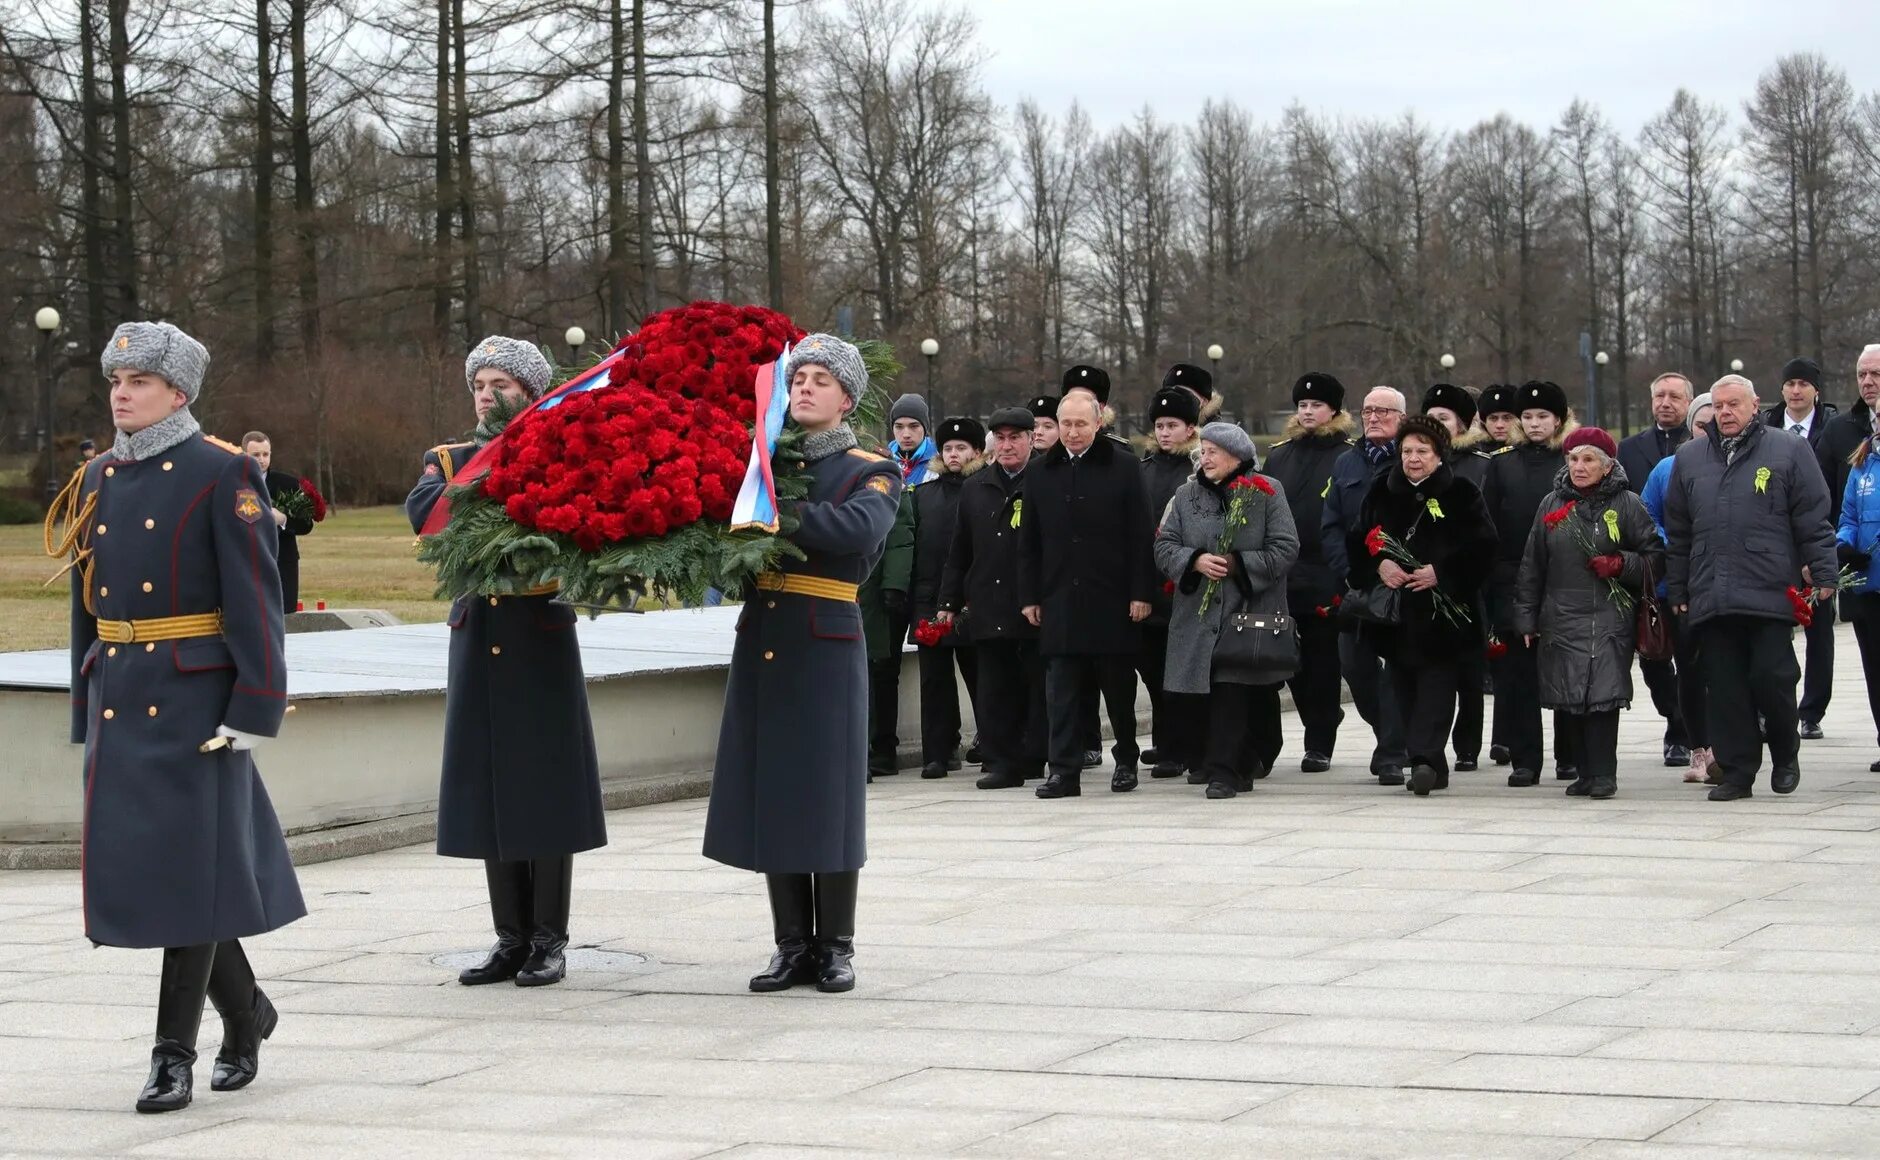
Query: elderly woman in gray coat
(1587,562)
(1243,710)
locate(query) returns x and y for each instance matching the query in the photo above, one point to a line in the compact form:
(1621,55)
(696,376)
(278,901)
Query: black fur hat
(1457,399)
(1426,428)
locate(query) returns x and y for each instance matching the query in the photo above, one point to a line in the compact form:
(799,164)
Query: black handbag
(1259,648)
(1376,605)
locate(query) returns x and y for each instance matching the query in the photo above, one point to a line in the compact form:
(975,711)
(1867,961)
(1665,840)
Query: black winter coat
(1352,477)
(1519,480)
(1843,434)
(1457,544)
(280,483)
(1302,463)
(1163,473)
(980,585)
(1086,549)
(1641,451)
(520,777)
(936,511)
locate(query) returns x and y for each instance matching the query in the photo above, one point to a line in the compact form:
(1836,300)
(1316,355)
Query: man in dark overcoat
(1085,575)
(178,674)
(1177,722)
(257,446)
(979,594)
(789,788)
(521,786)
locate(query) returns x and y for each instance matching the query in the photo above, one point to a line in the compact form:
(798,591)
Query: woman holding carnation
(521,783)
(1424,532)
(788,792)
(1216,575)
(1589,552)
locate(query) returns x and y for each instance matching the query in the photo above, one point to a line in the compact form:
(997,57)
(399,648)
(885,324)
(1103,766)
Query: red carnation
(315,498)
(1374,540)
(1554,518)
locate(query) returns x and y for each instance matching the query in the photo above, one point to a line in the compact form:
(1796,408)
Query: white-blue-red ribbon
(756,505)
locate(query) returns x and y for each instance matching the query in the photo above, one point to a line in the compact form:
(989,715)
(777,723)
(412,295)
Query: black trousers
(1010,704)
(1863,609)
(1818,665)
(1151,663)
(1693,701)
(940,699)
(1467,735)
(1064,680)
(1315,687)
(1426,693)
(1243,731)
(884,700)
(1750,670)
(1662,678)
(1518,704)
(1593,739)
(1090,713)
(1376,698)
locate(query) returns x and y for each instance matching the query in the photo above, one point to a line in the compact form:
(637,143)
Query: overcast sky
(1454,61)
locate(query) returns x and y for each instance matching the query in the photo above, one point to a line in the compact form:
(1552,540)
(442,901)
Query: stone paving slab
(1321,968)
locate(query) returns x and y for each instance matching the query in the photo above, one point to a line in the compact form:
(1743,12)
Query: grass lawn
(361,558)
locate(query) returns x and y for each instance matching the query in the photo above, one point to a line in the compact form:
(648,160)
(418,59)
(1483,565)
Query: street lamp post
(1215,354)
(47,320)
(576,338)
(1448,361)
(931,348)
(1736,366)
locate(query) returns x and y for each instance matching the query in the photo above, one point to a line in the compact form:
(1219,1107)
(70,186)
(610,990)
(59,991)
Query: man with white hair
(1748,517)
(1353,473)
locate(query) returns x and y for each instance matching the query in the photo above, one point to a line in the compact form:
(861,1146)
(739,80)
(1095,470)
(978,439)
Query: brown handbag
(1654,622)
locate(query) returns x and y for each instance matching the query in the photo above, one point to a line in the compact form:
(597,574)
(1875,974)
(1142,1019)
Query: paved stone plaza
(1323,968)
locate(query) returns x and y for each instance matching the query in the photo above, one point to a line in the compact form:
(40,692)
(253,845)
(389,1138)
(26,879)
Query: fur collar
(969,468)
(154,440)
(1559,438)
(1603,492)
(1435,483)
(1183,450)
(1341,428)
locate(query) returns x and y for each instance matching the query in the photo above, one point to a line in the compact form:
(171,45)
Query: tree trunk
(643,164)
(773,195)
(444,171)
(306,229)
(91,193)
(618,318)
(125,231)
(264,184)
(466,183)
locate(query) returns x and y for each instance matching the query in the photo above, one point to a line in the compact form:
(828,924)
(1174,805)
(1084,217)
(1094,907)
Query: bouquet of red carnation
(622,484)
(1802,601)
(301,503)
(932,632)
(1615,591)
(1327,611)
(1239,493)
(1381,543)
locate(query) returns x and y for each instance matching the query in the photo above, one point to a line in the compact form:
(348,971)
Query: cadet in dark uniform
(789,789)
(1317,434)
(177,674)
(979,590)
(936,510)
(1176,727)
(1043,424)
(1454,408)
(521,786)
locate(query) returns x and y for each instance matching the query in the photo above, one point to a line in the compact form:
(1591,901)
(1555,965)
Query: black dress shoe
(1150,756)
(1093,758)
(1499,754)
(933,770)
(172,1076)
(1164,769)
(1729,792)
(1785,776)
(1466,764)
(1603,788)
(1874,768)
(792,965)
(1314,762)
(1060,785)
(1677,757)
(1001,781)
(1197,777)
(1390,775)
(974,756)
(239,1061)
(954,765)
(835,972)
(1422,779)
(1809,731)
(1564,772)
(1221,789)
(1123,780)
(1581,788)
(1524,777)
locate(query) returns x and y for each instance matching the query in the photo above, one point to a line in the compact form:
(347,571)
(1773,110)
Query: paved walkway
(1323,968)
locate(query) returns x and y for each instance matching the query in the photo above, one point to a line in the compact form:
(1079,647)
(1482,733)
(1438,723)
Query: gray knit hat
(521,361)
(839,358)
(1234,441)
(160,349)
(911,407)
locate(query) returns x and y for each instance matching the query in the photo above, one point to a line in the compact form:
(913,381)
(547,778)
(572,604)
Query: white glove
(237,739)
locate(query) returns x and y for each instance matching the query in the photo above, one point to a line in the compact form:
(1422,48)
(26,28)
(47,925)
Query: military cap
(964,428)
(1319,387)
(521,361)
(1192,377)
(160,349)
(1539,394)
(1457,399)
(839,358)
(1089,378)
(1175,403)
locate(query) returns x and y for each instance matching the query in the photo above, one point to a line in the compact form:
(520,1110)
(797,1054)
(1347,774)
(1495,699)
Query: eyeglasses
(1379,412)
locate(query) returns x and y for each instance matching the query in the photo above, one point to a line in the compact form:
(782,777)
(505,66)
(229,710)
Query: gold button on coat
(495,600)
(150,523)
(496,650)
(150,647)
(104,592)
(110,471)
(153,710)
(111,652)
(168,466)
(148,586)
(108,714)
(769,656)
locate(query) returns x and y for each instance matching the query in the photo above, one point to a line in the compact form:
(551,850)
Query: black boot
(835,930)
(179,1017)
(247,1018)
(793,918)
(510,888)
(548,939)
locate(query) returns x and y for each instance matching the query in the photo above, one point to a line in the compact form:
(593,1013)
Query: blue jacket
(1860,515)
(1654,497)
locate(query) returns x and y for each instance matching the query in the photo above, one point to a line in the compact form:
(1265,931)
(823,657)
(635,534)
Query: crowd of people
(1484,541)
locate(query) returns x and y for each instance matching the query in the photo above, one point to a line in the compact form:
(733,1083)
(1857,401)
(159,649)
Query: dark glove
(895,601)
(1606,567)
(1851,556)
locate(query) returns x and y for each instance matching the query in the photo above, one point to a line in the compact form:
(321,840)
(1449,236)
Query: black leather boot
(510,888)
(548,941)
(793,920)
(835,930)
(179,1017)
(247,1018)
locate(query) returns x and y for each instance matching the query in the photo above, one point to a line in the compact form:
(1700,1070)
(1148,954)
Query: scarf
(157,438)
(822,444)
(1731,443)
(1378,454)
(912,461)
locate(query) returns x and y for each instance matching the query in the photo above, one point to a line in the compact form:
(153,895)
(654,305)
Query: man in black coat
(178,675)
(1085,575)
(1804,414)
(1318,433)
(1849,429)
(258,447)
(790,785)
(1174,726)
(979,596)
(1638,454)
(936,511)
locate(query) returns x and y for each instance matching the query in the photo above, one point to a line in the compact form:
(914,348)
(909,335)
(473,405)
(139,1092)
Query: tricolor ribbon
(756,505)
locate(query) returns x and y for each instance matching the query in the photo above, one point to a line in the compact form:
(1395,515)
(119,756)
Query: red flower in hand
(1553,518)
(1497,648)
(1374,541)
(1256,482)
(931,633)
(1804,609)
(315,498)
(1607,567)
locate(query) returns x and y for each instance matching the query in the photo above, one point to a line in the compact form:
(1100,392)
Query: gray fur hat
(160,349)
(521,361)
(839,358)
(911,407)
(1234,441)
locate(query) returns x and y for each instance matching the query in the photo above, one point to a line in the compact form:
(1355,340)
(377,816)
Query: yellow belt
(162,628)
(807,585)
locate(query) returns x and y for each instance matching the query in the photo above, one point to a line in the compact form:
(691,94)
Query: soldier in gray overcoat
(789,786)
(521,785)
(178,674)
